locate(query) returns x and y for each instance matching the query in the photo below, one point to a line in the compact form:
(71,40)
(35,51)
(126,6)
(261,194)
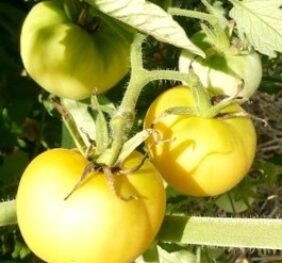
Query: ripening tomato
(93,224)
(205,156)
(223,72)
(66,59)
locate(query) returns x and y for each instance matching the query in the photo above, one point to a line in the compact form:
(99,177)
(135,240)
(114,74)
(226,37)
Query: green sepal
(102,131)
(131,145)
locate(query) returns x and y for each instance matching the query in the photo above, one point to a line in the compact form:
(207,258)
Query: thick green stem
(225,232)
(8,213)
(122,122)
(200,94)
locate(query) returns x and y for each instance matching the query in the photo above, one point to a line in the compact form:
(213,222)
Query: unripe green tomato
(224,73)
(67,60)
(93,224)
(200,156)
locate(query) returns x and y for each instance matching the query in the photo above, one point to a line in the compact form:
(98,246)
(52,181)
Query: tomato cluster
(197,155)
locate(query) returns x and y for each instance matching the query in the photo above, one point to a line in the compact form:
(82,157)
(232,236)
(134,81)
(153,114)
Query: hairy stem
(224,232)
(193,14)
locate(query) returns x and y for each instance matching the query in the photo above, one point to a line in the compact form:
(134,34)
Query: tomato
(222,73)
(93,224)
(205,156)
(66,59)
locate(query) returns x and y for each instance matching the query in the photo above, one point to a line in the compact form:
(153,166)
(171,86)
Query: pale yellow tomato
(93,224)
(205,156)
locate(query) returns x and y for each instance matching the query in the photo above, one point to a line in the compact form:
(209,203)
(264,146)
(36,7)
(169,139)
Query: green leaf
(223,232)
(81,118)
(260,22)
(130,145)
(106,105)
(148,18)
(102,133)
(270,170)
(8,213)
(180,256)
(151,255)
(67,141)
(218,11)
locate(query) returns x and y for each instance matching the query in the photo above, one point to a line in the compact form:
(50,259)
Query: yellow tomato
(93,224)
(206,156)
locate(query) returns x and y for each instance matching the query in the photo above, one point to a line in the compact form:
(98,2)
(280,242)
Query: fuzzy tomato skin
(206,156)
(92,225)
(222,73)
(67,60)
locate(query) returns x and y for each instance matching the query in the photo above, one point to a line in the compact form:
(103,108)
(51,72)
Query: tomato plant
(224,71)
(93,224)
(203,144)
(206,156)
(70,60)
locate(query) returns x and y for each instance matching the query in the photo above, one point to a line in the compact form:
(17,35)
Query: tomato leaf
(261,23)
(106,105)
(148,18)
(180,256)
(82,118)
(102,133)
(130,145)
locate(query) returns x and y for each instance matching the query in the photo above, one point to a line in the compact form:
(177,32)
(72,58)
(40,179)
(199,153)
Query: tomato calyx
(109,173)
(90,25)
(80,14)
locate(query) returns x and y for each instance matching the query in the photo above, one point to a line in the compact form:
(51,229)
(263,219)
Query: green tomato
(66,59)
(223,73)
(93,224)
(200,156)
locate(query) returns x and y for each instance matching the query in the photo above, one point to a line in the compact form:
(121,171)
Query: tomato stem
(123,120)
(193,14)
(221,40)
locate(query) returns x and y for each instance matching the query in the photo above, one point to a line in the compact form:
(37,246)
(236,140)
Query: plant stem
(200,94)
(122,122)
(222,40)
(224,232)
(193,14)
(8,213)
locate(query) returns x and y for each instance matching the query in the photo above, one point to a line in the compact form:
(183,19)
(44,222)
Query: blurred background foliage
(28,126)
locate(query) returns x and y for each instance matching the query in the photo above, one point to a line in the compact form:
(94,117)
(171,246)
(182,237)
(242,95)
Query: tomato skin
(206,156)
(92,225)
(65,59)
(222,73)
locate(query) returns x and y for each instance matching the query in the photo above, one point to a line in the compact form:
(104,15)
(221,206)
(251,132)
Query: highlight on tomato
(93,224)
(199,156)
(72,59)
